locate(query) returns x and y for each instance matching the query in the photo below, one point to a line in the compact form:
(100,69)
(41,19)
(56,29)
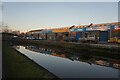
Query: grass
(16,65)
(74,48)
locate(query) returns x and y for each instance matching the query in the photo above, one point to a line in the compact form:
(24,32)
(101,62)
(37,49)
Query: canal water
(65,65)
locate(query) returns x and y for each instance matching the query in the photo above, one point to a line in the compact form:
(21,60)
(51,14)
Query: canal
(65,65)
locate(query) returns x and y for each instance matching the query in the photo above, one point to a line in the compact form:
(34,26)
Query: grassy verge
(16,65)
(75,48)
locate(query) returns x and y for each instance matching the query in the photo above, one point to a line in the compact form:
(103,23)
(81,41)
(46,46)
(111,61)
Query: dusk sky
(25,16)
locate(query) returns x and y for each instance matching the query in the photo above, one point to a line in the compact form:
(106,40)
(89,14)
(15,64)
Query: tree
(5,29)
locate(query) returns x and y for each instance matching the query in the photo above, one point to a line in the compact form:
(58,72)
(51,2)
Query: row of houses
(87,33)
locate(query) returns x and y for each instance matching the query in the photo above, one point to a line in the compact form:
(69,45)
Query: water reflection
(16,47)
(67,65)
(38,49)
(102,61)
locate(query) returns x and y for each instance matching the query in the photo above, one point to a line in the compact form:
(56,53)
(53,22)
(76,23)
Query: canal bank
(72,66)
(76,48)
(17,65)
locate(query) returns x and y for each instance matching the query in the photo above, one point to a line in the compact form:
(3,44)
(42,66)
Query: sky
(60,0)
(25,16)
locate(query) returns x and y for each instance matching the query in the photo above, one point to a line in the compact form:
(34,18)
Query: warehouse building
(99,33)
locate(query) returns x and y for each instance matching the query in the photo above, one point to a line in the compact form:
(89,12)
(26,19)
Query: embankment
(75,48)
(16,65)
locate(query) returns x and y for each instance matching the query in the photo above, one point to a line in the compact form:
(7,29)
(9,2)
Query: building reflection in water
(16,47)
(102,61)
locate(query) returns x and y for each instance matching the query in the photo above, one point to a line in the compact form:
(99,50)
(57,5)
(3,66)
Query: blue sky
(25,16)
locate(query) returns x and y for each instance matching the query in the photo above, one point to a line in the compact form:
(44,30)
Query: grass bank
(76,48)
(17,65)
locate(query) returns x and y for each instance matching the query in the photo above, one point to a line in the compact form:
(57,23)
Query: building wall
(51,36)
(116,33)
(103,36)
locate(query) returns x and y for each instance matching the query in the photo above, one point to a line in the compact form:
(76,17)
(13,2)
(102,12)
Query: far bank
(75,48)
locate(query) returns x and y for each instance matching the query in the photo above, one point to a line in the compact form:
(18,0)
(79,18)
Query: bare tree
(5,29)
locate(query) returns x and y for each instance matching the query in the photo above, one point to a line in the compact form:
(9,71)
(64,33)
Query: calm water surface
(72,66)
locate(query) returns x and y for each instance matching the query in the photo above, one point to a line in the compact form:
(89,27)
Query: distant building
(95,32)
